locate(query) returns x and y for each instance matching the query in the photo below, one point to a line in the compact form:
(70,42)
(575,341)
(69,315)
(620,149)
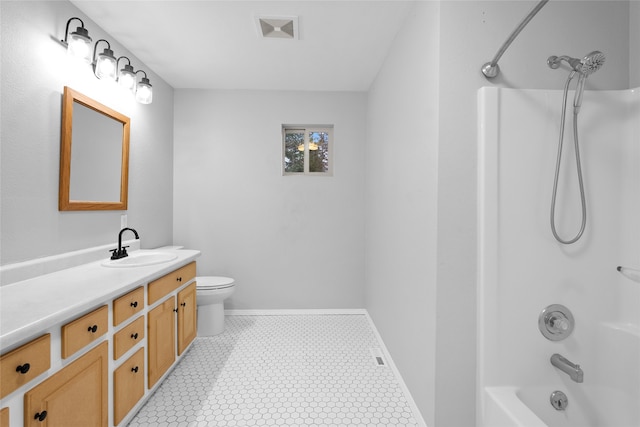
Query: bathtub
(522,269)
(608,397)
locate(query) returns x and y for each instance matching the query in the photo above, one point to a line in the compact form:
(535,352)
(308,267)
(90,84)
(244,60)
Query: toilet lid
(213,282)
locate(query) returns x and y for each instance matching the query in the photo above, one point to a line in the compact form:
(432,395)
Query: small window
(306,150)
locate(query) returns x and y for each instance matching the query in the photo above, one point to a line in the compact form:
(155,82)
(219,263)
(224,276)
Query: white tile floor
(292,370)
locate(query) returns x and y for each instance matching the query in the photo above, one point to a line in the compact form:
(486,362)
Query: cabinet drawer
(128,385)
(84,330)
(32,358)
(162,286)
(128,305)
(127,337)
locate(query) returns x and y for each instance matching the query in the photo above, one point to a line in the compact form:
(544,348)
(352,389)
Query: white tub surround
(522,269)
(141,319)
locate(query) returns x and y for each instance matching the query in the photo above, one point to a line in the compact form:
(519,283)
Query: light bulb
(144,92)
(127,78)
(106,66)
(79,47)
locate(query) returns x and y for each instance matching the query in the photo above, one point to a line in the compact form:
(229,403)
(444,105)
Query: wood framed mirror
(94,155)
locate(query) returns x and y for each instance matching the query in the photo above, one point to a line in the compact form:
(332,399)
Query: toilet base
(210,319)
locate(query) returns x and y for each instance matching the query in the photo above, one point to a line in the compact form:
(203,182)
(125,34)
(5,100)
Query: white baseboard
(392,366)
(285,312)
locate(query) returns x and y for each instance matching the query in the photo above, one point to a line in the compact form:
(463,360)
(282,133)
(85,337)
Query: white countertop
(30,307)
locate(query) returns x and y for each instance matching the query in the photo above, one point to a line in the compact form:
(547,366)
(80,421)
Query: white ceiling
(215,44)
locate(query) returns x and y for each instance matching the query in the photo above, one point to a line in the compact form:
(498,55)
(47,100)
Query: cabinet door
(4,417)
(75,396)
(187,318)
(161,338)
(128,385)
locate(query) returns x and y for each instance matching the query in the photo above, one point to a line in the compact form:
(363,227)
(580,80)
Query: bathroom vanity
(85,346)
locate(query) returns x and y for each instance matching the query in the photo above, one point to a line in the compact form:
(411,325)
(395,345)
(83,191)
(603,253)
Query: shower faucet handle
(556,322)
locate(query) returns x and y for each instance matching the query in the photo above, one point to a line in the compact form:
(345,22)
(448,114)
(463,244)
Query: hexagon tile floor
(289,370)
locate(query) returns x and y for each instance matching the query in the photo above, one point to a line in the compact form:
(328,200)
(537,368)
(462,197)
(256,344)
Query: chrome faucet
(121,252)
(574,371)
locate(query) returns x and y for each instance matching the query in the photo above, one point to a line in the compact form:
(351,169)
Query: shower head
(585,66)
(591,63)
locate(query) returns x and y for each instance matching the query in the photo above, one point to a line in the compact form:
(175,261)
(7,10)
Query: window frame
(328,129)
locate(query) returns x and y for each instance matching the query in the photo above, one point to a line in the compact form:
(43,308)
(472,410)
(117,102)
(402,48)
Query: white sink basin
(140,259)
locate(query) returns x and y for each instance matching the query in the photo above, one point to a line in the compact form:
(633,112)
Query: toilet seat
(213,282)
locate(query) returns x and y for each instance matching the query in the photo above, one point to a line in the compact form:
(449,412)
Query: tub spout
(574,371)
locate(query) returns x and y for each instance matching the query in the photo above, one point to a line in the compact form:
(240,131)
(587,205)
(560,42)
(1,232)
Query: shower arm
(492,69)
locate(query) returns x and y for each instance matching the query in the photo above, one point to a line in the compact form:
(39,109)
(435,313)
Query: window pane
(318,151)
(294,151)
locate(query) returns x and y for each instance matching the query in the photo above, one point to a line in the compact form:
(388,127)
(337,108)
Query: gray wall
(34,71)
(634,43)
(289,241)
(401,190)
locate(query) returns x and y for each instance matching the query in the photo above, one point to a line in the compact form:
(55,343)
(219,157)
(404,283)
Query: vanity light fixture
(105,65)
(144,91)
(78,42)
(126,75)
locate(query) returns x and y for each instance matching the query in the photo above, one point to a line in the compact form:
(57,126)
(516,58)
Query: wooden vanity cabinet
(187,317)
(99,359)
(128,385)
(161,334)
(161,339)
(77,395)
(23,364)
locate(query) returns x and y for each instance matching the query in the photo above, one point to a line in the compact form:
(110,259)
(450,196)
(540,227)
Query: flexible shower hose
(578,167)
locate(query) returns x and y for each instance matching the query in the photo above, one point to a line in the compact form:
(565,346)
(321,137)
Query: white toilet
(211,292)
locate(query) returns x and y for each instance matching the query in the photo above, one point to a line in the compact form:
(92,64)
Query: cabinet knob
(40,416)
(93,329)
(134,369)
(175,310)
(23,369)
(134,304)
(179,279)
(183,304)
(134,336)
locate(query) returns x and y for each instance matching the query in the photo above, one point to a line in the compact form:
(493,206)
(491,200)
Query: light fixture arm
(66,30)
(95,48)
(118,61)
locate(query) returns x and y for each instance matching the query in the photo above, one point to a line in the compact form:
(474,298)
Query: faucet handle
(123,252)
(114,253)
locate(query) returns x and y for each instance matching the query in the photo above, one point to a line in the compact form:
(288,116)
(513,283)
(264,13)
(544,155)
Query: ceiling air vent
(282,27)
